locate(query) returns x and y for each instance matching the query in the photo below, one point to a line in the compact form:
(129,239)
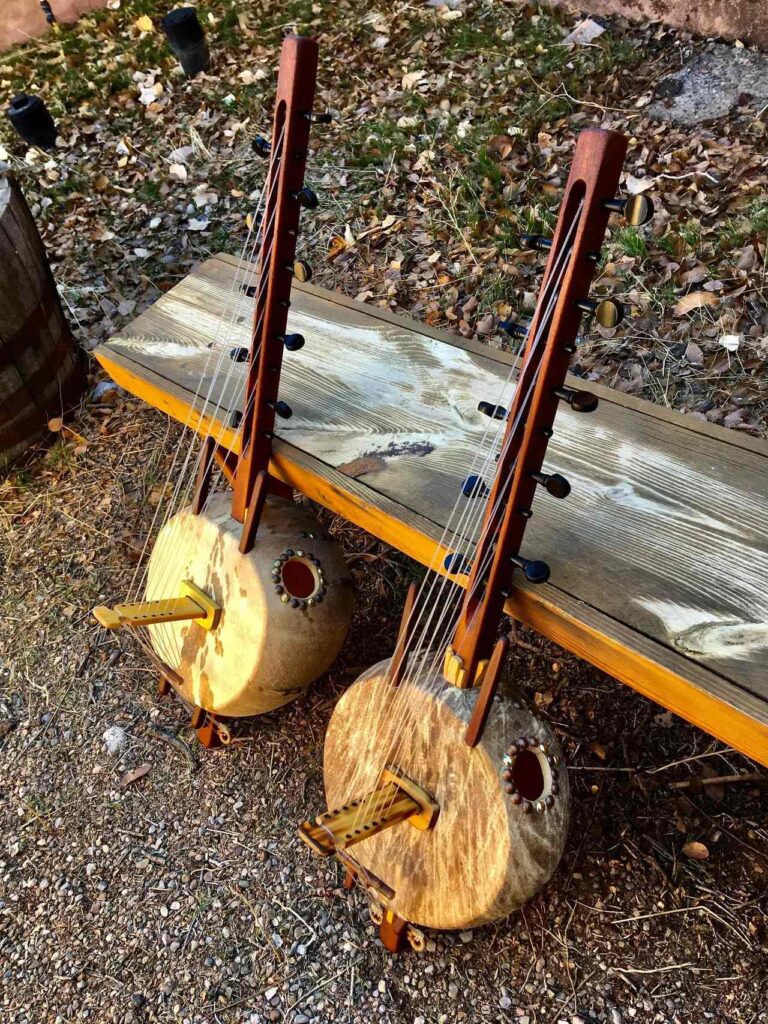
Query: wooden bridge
(659,557)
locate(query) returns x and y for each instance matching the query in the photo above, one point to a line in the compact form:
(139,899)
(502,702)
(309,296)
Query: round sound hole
(528,775)
(299,578)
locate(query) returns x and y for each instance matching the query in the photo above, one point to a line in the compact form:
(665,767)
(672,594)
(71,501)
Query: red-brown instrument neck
(593,178)
(280,222)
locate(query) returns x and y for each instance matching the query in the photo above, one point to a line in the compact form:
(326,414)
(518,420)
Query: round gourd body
(286,606)
(503,816)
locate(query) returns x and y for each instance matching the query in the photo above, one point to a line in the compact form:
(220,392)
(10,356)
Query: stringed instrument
(247,599)
(448,796)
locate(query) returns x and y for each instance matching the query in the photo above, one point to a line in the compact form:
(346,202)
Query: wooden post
(42,372)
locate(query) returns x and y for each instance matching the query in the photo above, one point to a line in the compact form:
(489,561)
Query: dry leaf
(134,774)
(730,342)
(584,32)
(411,79)
(694,355)
(55,424)
(698,851)
(695,300)
(598,748)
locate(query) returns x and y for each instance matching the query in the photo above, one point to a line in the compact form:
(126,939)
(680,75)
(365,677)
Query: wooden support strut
(405,638)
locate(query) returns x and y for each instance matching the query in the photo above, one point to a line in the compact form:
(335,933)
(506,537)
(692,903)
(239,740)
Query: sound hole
(527,775)
(298,578)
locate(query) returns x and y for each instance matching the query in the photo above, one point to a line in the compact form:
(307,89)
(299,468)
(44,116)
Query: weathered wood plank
(665,533)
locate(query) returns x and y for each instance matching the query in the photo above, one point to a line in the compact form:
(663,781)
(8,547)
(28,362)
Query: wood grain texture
(42,373)
(658,557)
(263,653)
(484,857)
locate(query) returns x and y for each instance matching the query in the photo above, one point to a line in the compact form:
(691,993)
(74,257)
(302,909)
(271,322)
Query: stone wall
(21,20)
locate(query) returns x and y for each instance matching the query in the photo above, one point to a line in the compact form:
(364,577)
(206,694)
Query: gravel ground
(183,894)
(143,879)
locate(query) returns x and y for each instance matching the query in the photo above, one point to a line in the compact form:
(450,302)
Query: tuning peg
(579,401)
(536,242)
(608,313)
(474,487)
(235,419)
(307,198)
(261,147)
(324,118)
(636,210)
(248,289)
(553,484)
(534,571)
(496,412)
(302,271)
(282,409)
(517,328)
(456,563)
(239,355)
(293,342)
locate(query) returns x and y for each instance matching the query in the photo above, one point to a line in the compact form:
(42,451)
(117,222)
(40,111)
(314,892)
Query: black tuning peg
(515,327)
(608,313)
(536,242)
(324,118)
(293,342)
(475,487)
(496,412)
(261,147)
(235,419)
(239,355)
(248,289)
(636,210)
(553,484)
(302,271)
(534,571)
(579,401)
(282,409)
(307,198)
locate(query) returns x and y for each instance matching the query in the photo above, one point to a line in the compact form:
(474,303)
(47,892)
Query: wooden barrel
(42,371)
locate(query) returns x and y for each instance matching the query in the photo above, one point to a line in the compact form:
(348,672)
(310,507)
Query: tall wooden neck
(593,179)
(279,228)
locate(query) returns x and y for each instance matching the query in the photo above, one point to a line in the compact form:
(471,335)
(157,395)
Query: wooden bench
(659,557)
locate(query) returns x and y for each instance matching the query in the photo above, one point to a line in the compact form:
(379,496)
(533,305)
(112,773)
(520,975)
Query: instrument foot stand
(211,730)
(396,934)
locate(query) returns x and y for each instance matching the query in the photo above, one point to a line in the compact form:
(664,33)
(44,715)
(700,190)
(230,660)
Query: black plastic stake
(31,119)
(187,40)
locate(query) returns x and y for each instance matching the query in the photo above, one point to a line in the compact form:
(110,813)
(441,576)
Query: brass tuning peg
(307,198)
(536,242)
(636,210)
(608,313)
(533,570)
(301,271)
(261,147)
(579,401)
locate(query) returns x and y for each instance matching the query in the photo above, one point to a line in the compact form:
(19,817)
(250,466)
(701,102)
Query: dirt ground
(159,882)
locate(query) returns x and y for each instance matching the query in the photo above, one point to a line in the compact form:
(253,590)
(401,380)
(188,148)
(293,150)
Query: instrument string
(180,497)
(433,675)
(400,706)
(229,316)
(431,679)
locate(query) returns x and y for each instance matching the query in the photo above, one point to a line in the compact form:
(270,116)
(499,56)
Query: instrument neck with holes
(584,214)
(285,195)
